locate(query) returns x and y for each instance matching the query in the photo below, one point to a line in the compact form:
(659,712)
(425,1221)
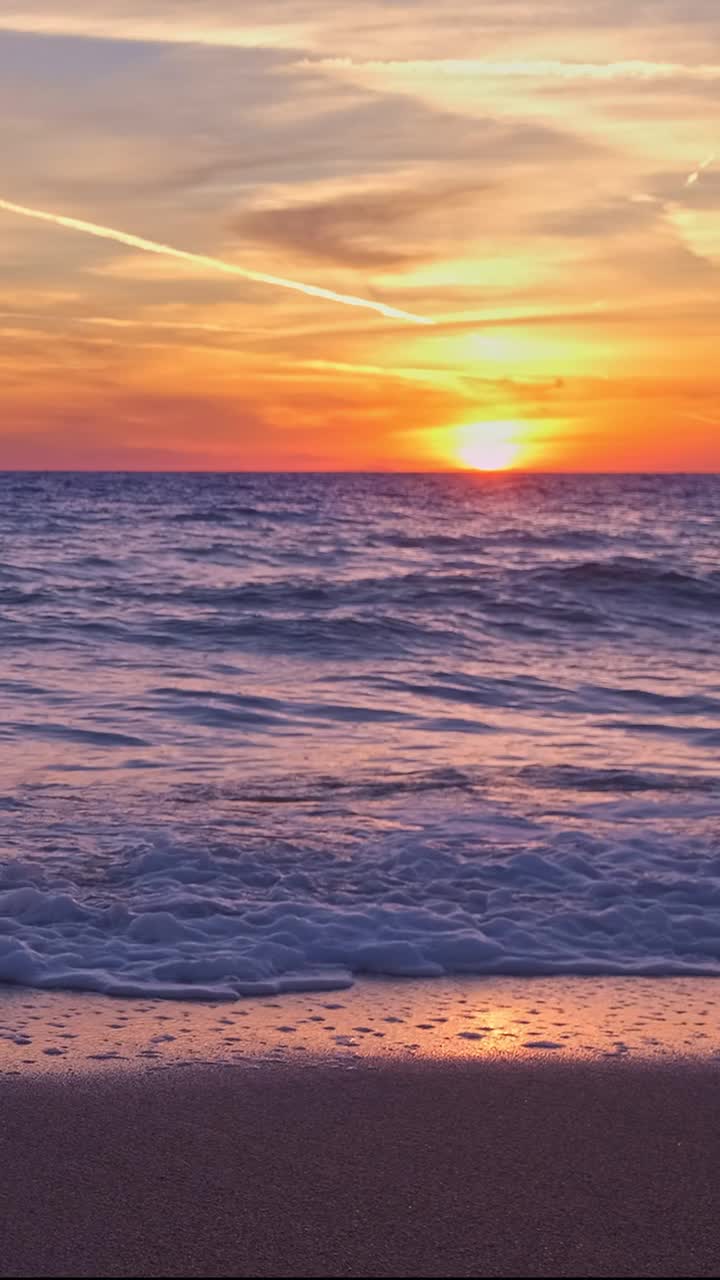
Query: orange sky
(538,178)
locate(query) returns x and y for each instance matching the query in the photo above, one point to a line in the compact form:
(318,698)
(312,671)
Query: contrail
(216,264)
(693,177)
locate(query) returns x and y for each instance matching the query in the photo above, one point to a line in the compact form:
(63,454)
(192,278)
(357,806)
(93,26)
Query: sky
(538,180)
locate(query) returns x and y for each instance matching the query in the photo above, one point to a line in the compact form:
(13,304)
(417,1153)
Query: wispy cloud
(189,25)
(525,69)
(701,417)
(360,228)
(128,322)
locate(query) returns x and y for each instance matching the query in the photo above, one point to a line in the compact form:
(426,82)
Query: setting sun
(487,446)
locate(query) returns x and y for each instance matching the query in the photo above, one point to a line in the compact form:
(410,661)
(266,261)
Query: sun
(500,444)
(487,446)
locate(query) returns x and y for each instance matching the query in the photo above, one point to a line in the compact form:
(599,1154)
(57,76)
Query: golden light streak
(216,264)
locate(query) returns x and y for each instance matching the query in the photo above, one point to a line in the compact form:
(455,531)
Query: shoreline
(475,1019)
(533,1167)
(395,1129)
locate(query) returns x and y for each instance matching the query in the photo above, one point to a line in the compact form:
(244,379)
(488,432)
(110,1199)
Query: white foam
(178,921)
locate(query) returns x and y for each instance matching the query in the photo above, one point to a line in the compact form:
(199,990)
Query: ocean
(262,733)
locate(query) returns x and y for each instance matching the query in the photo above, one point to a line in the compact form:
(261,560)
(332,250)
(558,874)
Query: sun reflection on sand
(595,1018)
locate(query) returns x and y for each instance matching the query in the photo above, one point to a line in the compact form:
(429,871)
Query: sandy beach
(425,1129)
(434,1169)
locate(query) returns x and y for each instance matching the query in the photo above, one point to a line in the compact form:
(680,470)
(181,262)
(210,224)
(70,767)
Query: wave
(189,922)
(566,777)
(636,575)
(489,710)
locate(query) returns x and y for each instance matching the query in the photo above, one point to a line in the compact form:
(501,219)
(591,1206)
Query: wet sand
(490,1167)
(595,1018)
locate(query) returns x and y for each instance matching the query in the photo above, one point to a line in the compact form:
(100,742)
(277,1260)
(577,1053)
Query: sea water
(269,732)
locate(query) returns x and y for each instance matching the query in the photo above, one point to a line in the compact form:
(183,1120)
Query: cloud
(674,188)
(602,218)
(359,229)
(185,130)
(157,21)
(527,69)
(140,433)
(385,28)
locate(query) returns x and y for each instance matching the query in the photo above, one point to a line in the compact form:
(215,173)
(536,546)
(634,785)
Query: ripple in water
(268,733)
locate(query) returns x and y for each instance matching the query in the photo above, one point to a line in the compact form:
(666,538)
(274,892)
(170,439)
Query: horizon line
(357,471)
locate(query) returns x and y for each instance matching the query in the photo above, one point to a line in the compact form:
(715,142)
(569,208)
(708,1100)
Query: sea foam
(187,923)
